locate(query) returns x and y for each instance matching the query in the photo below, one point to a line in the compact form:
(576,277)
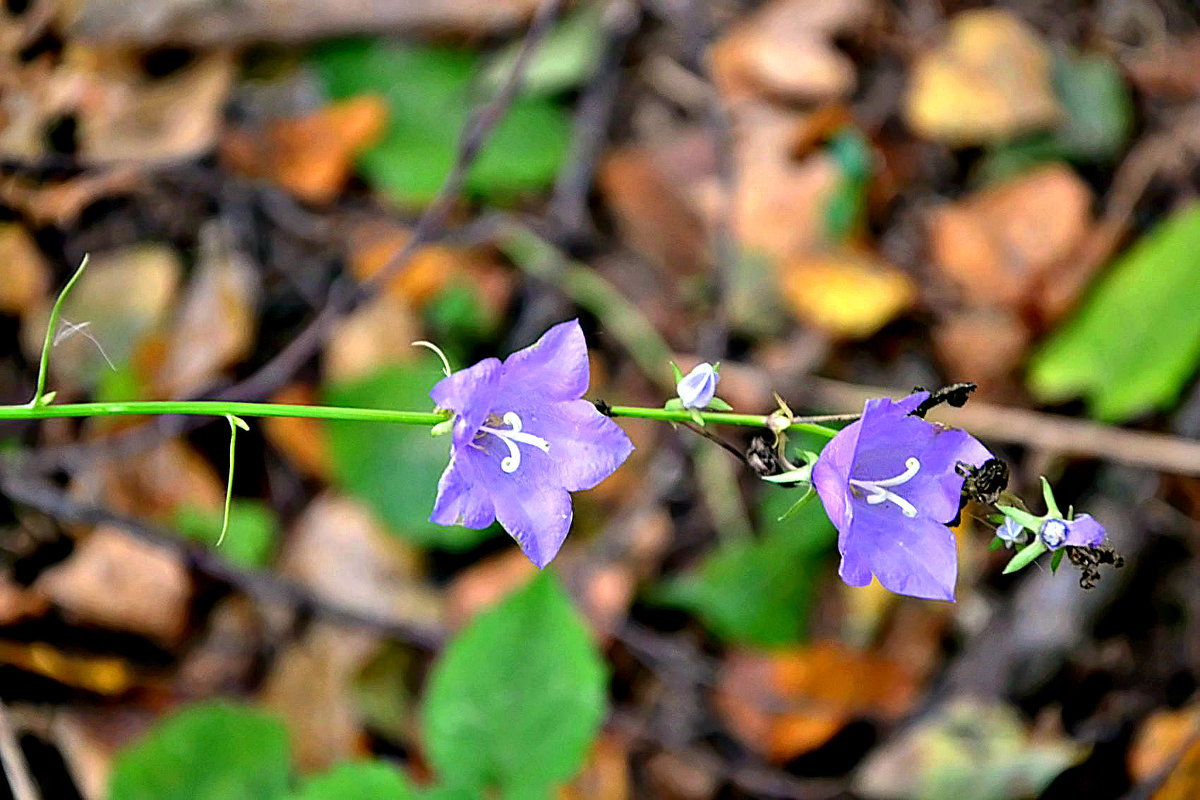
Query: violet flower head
(889,485)
(696,389)
(523,439)
(1083,531)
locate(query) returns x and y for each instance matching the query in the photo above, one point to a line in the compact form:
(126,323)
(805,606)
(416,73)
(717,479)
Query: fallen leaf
(304,442)
(338,551)
(115,581)
(1001,245)
(311,156)
(780,202)
(226,656)
(25,278)
(126,115)
(1184,781)
(1160,738)
(990,80)
(649,202)
(605,776)
(967,748)
(1168,67)
(847,294)
(423,277)
(378,334)
(60,203)
(786,50)
(484,584)
(985,345)
(216,323)
(18,603)
(791,702)
(156,483)
(682,776)
(104,675)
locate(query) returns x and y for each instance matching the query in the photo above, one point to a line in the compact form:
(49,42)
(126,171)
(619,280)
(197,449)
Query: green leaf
(428,91)
(250,540)
(1026,557)
(674,404)
(1135,342)
(517,698)
(676,371)
(565,58)
(1099,110)
(717,404)
(847,203)
(1056,559)
(759,593)
(395,468)
(696,416)
(375,780)
(214,751)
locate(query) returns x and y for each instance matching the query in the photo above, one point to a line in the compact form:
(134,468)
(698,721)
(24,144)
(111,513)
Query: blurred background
(837,199)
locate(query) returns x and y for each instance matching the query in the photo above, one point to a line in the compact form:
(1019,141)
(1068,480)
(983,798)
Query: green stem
(219,408)
(717,417)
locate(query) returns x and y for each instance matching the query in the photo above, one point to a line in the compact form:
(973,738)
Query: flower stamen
(512,438)
(880,491)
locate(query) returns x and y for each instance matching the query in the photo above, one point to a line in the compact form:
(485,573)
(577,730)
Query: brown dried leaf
(115,581)
(19,603)
(379,333)
(216,323)
(60,203)
(155,483)
(786,50)
(986,345)
(990,80)
(846,294)
(1001,245)
(605,776)
(100,674)
(24,276)
(788,703)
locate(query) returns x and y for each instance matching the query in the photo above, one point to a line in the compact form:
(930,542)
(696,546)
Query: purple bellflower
(523,439)
(1083,531)
(889,485)
(696,389)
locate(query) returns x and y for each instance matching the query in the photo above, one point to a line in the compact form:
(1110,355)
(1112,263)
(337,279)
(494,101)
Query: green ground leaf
(214,751)
(428,91)
(250,540)
(567,57)
(759,592)
(517,698)
(395,468)
(375,780)
(1135,342)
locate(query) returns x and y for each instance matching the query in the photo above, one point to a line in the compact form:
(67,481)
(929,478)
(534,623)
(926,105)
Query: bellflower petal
(523,439)
(888,483)
(696,389)
(1083,531)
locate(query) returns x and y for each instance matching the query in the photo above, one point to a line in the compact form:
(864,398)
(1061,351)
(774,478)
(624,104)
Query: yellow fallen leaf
(849,295)
(989,81)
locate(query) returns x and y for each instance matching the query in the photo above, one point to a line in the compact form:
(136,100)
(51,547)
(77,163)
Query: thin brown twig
(261,585)
(16,769)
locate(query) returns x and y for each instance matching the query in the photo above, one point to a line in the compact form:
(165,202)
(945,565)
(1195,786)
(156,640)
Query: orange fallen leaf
(1001,245)
(312,156)
(1184,781)
(24,277)
(849,295)
(428,272)
(101,674)
(304,442)
(789,703)
(1159,739)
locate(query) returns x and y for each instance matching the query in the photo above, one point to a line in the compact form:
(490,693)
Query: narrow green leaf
(565,58)
(1135,342)
(1056,559)
(517,698)
(1026,556)
(677,372)
(213,751)
(717,404)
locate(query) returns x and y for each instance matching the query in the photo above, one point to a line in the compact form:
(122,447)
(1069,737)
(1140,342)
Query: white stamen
(879,491)
(512,438)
